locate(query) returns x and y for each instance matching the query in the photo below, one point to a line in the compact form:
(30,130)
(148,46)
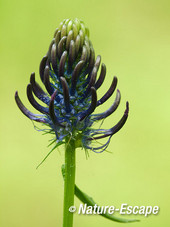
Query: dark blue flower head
(70,73)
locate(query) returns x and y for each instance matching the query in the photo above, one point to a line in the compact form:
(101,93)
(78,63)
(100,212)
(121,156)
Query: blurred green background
(133,38)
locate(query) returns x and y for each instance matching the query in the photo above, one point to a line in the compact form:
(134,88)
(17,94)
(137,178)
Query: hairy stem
(69,182)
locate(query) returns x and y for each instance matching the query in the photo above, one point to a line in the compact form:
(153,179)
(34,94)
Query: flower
(69,73)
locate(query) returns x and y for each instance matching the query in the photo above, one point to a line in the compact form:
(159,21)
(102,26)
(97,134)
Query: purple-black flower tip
(127,109)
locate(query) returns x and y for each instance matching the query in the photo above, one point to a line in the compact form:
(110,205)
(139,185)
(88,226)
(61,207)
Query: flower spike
(69,74)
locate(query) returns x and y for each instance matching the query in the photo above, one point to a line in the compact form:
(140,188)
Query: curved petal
(34,103)
(110,110)
(101,77)
(39,93)
(47,83)
(60,45)
(52,112)
(54,58)
(91,60)
(71,56)
(91,83)
(66,94)
(109,92)
(84,54)
(75,75)
(92,105)
(116,128)
(62,64)
(42,67)
(26,112)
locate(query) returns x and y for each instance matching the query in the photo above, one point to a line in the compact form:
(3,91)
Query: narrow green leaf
(54,140)
(90,202)
(83,197)
(57,145)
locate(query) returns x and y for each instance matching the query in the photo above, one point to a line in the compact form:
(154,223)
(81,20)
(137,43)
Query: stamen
(103,147)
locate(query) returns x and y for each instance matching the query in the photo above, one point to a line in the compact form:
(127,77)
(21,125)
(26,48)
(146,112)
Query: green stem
(69,182)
